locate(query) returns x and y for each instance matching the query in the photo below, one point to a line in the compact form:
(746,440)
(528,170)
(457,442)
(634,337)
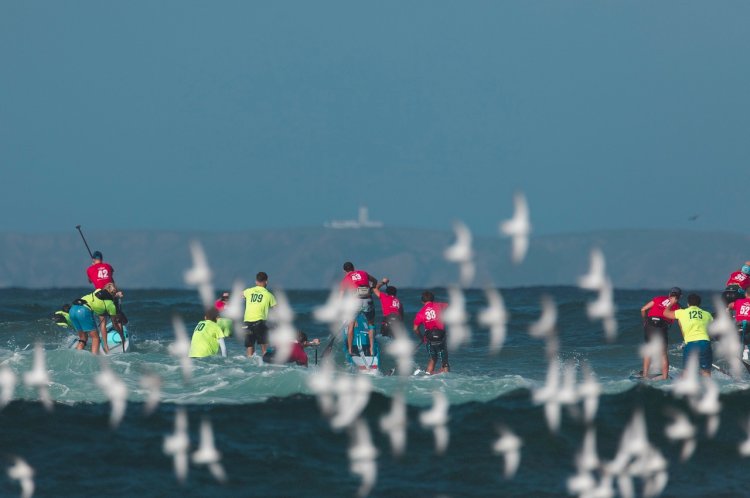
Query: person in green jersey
(61,317)
(224,323)
(694,326)
(205,340)
(258,301)
(88,316)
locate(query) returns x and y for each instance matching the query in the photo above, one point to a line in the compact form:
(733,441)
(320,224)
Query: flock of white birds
(342,397)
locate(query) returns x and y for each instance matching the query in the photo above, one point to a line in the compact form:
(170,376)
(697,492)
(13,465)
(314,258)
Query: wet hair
(261,276)
(212,314)
(694,300)
(427,296)
(97,255)
(390,290)
(301,337)
(110,287)
(348,266)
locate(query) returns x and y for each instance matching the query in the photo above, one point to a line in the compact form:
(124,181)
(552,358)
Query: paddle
(78,227)
(105,342)
(721,370)
(120,330)
(329,346)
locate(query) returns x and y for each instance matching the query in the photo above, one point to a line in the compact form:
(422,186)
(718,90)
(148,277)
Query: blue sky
(244,115)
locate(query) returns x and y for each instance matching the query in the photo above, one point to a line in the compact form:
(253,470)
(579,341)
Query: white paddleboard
(366,364)
(115,346)
(113,341)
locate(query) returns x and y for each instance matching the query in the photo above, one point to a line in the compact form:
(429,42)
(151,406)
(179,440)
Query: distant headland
(311,258)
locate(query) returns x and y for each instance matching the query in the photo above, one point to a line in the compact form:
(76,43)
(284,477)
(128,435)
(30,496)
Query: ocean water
(276,442)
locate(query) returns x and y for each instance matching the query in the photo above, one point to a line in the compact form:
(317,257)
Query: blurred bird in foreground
(518,228)
(38,377)
(24,474)
(461,253)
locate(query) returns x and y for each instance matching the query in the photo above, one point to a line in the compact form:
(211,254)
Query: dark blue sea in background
(275,442)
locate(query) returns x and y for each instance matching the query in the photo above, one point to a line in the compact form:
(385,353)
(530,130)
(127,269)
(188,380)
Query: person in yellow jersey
(258,301)
(225,325)
(61,317)
(88,316)
(694,326)
(206,336)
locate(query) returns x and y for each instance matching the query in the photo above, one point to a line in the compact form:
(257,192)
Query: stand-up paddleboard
(365,359)
(113,340)
(638,376)
(423,373)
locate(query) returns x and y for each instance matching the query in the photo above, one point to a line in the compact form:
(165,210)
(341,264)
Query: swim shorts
(257,332)
(389,321)
(82,318)
(438,349)
(654,325)
(436,345)
(700,348)
(367,309)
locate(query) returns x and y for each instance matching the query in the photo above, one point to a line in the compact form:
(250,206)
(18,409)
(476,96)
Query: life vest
(435,336)
(61,318)
(100,302)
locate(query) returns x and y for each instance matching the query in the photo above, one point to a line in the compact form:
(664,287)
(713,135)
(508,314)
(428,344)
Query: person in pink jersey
(100,273)
(434,331)
(655,323)
(298,354)
(737,283)
(360,283)
(393,311)
(222,301)
(741,308)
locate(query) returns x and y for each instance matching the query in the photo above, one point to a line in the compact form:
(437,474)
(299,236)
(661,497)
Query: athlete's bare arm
(646,307)
(376,288)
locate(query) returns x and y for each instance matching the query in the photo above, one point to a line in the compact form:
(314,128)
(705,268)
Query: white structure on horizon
(363,221)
